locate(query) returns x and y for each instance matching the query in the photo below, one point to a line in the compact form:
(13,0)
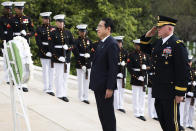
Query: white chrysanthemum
(25,54)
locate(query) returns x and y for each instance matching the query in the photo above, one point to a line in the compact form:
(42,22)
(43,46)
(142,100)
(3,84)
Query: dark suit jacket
(105,66)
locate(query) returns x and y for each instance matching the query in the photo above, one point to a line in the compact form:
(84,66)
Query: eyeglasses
(100,26)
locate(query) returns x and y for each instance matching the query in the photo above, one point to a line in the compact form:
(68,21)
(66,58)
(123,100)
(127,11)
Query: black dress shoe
(122,110)
(142,118)
(65,99)
(86,101)
(155,119)
(60,98)
(51,93)
(182,128)
(9,83)
(25,89)
(192,128)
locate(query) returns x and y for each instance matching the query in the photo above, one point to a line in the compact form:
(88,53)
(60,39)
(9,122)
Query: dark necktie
(100,45)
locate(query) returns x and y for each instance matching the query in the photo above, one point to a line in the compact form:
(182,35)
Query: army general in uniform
(171,71)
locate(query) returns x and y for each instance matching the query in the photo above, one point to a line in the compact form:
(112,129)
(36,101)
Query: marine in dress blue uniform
(121,76)
(42,37)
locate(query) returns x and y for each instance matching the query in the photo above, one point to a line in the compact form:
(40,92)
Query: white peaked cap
(137,41)
(59,17)
(7,3)
(82,26)
(21,3)
(45,14)
(119,37)
(190,57)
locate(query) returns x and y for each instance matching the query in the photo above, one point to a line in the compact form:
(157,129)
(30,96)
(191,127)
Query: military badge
(25,21)
(167,51)
(52,29)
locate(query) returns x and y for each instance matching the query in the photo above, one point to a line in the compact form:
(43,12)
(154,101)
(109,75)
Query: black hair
(109,23)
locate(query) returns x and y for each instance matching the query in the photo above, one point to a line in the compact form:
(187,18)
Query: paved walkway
(47,113)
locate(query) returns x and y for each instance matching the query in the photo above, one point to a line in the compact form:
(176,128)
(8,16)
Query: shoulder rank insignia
(179,41)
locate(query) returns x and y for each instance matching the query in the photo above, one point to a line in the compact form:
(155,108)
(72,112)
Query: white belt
(44,43)
(58,46)
(82,55)
(136,69)
(151,73)
(17,33)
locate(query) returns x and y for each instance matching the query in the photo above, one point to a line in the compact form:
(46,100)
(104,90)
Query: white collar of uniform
(166,38)
(103,40)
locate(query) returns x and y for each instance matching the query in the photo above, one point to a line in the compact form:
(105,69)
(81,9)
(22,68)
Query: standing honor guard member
(22,26)
(137,65)
(42,37)
(171,71)
(61,43)
(121,76)
(151,108)
(5,22)
(104,74)
(190,100)
(6,31)
(82,51)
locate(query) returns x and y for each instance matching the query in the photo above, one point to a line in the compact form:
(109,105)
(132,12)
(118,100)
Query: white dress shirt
(166,38)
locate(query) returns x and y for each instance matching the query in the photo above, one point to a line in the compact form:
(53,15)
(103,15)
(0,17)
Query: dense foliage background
(132,18)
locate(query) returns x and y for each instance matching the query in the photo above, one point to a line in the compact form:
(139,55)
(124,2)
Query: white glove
(141,78)
(87,55)
(143,67)
(123,63)
(65,47)
(84,68)
(194,83)
(23,32)
(62,59)
(48,54)
(190,94)
(120,75)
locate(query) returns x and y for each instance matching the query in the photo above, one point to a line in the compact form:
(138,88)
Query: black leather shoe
(192,128)
(142,118)
(51,93)
(65,99)
(25,89)
(122,110)
(9,83)
(155,119)
(60,98)
(86,101)
(182,128)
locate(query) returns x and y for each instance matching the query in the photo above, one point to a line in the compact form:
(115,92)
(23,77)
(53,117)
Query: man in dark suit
(104,74)
(170,63)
